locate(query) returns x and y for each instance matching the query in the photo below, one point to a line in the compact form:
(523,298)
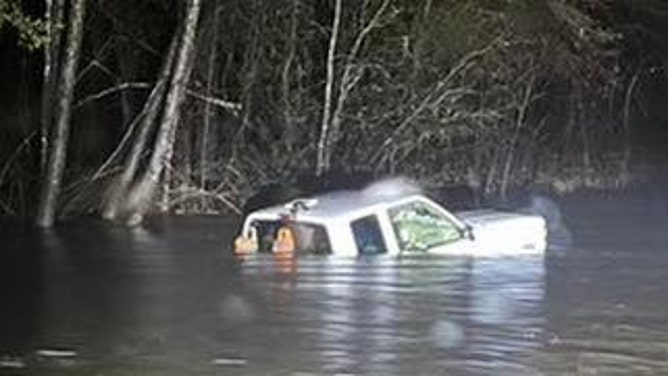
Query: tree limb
(112,90)
(462,64)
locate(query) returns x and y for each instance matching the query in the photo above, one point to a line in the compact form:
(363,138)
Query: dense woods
(121,108)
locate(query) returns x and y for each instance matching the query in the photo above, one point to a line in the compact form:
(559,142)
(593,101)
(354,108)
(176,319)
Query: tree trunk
(627,152)
(115,203)
(418,44)
(323,153)
(53,17)
(58,145)
(349,79)
(208,108)
(126,74)
(290,131)
(141,195)
(583,122)
(251,58)
(567,137)
(522,109)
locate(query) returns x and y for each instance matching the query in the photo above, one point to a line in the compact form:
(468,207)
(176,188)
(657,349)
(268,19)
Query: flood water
(90,298)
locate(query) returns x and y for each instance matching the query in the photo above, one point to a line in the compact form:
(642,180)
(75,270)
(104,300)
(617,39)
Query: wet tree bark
(58,145)
(143,192)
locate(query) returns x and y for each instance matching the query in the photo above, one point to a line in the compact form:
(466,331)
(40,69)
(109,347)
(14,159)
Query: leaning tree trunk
(142,194)
(115,202)
(58,145)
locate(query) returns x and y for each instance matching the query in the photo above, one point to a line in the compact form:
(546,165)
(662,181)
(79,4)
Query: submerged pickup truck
(403,222)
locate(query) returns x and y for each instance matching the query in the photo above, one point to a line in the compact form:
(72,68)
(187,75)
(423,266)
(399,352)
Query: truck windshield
(419,227)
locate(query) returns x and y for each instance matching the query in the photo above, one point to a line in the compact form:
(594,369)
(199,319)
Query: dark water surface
(94,299)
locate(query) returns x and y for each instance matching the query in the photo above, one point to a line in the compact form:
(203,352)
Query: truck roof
(337,205)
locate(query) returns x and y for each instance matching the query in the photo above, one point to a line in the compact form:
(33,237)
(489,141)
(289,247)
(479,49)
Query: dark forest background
(191,105)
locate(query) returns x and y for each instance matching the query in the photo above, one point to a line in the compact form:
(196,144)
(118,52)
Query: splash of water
(392,187)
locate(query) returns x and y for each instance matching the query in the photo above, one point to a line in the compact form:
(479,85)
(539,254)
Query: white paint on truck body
(484,233)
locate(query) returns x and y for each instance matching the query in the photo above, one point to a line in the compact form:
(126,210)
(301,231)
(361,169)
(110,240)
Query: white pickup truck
(353,223)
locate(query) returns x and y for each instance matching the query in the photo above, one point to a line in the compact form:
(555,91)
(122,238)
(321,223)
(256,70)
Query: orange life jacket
(244,245)
(285,243)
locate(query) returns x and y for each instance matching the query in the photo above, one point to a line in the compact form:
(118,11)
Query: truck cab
(353,223)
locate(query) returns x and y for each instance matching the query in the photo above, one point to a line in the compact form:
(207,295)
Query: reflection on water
(389,316)
(98,299)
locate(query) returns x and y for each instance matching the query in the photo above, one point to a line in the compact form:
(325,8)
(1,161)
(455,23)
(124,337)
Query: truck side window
(310,238)
(368,235)
(266,233)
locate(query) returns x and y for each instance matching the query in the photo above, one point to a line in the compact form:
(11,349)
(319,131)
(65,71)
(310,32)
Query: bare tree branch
(427,100)
(234,107)
(110,91)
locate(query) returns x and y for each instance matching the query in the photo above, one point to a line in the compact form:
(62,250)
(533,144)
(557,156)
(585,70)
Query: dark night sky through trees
(260,66)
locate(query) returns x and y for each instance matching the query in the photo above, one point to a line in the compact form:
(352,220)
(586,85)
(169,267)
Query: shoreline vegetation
(194,109)
(82,197)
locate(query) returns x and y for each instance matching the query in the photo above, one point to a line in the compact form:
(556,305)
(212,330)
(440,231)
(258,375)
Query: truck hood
(483,217)
(498,232)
